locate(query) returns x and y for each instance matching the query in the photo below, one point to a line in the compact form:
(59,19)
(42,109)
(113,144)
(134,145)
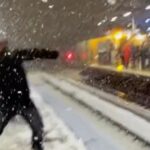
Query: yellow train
(102,50)
(97,50)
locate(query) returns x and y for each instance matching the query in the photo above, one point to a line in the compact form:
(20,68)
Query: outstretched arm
(31,54)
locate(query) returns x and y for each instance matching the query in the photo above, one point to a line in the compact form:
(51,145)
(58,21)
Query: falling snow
(112,2)
(42,26)
(44,1)
(19,92)
(51,6)
(10,9)
(54,128)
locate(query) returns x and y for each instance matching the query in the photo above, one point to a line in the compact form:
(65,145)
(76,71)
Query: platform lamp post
(133,17)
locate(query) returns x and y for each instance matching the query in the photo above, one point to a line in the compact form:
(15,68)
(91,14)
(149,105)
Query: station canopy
(62,23)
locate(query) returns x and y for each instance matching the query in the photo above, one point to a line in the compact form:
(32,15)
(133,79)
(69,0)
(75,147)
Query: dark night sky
(57,23)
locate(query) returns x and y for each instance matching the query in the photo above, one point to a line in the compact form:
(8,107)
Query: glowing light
(99,24)
(127,14)
(50,6)
(140,37)
(111,2)
(69,56)
(148,29)
(44,1)
(114,19)
(147,7)
(118,35)
(120,68)
(147,20)
(104,20)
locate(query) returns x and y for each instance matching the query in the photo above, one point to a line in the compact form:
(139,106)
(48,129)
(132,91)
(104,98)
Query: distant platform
(128,71)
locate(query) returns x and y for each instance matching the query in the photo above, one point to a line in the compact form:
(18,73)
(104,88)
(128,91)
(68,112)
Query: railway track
(122,114)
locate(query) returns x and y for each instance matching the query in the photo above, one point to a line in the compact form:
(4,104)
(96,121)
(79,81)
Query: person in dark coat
(145,55)
(14,91)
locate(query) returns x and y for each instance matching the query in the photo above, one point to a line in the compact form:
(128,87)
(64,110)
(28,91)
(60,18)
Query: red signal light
(70,56)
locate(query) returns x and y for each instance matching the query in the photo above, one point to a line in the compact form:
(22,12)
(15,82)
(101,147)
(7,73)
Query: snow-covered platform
(17,134)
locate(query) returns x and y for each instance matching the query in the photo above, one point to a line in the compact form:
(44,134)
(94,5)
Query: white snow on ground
(17,135)
(125,118)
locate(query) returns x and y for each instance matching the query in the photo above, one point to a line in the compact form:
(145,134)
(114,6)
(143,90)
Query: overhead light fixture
(127,14)
(50,6)
(140,36)
(147,20)
(44,1)
(114,19)
(112,2)
(118,35)
(148,29)
(99,24)
(147,7)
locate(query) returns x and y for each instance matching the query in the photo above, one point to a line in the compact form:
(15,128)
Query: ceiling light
(127,14)
(114,19)
(148,29)
(140,37)
(99,24)
(147,7)
(147,20)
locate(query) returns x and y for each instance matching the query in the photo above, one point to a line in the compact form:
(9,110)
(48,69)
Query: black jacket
(14,89)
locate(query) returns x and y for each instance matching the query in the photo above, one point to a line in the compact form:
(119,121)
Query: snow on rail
(130,121)
(18,135)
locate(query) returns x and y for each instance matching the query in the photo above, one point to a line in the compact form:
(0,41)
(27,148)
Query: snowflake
(35,138)
(19,92)
(29,40)
(10,9)
(44,1)
(34,31)
(50,6)
(112,2)
(99,24)
(72,12)
(64,8)
(14,69)
(42,26)
(9,53)
(24,107)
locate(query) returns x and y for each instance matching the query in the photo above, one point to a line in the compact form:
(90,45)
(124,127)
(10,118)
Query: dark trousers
(31,116)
